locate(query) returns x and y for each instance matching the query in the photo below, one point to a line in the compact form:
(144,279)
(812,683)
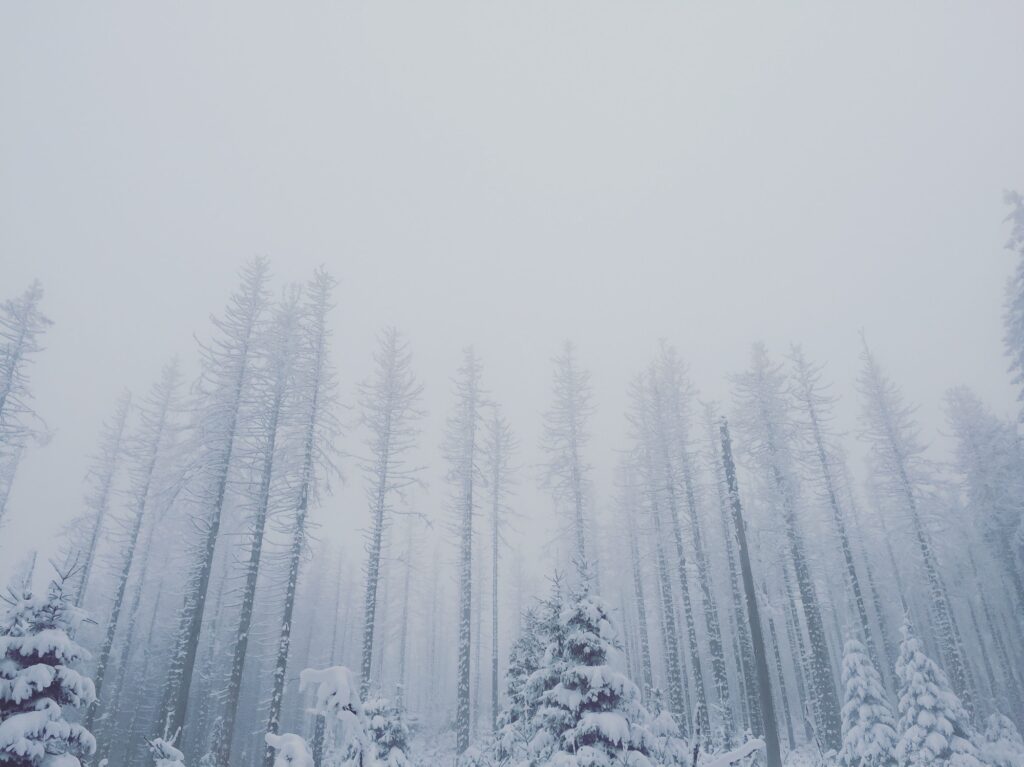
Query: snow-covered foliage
(39,678)
(336,693)
(389,732)
(592,716)
(933,725)
(290,750)
(165,754)
(1002,745)
(869,726)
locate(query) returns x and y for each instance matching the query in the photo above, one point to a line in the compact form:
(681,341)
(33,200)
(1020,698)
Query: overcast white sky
(509,175)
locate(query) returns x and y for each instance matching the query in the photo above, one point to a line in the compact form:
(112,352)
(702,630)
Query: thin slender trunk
(139,513)
(373,563)
(404,635)
(744,650)
(222,749)
(495,548)
(782,684)
(823,691)
(465,615)
(838,519)
(102,501)
(771,732)
(676,698)
(647,676)
(298,542)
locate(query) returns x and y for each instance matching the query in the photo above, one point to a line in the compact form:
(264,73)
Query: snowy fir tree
(933,725)
(389,732)
(39,679)
(869,727)
(592,715)
(1002,745)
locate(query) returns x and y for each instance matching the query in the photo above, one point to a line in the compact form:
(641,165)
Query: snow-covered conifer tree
(525,658)
(39,677)
(934,729)
(388,731)
(593,713)
(869,726)
(1002,745)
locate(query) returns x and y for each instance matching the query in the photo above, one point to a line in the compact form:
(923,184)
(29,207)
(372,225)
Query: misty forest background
(525,385)
(200,557)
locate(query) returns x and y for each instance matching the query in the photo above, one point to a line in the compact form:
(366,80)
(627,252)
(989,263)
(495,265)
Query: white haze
(508,175)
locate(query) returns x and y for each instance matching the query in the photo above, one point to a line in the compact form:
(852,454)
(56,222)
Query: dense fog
(547,385)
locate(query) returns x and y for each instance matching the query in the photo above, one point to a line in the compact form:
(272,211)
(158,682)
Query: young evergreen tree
(1002,745)
(593,713)
(933,724)
(524,659)
(39,677)
(387,728)
(869,726)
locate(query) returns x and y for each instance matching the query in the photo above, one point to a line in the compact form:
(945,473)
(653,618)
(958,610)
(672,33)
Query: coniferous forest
(306,540)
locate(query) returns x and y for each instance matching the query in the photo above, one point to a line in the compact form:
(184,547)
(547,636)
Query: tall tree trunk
(744,653)
(105,484)
(784,700)
(149,459)
(495,548)
(676,692)
(222,748)
(647,675)
(767,706)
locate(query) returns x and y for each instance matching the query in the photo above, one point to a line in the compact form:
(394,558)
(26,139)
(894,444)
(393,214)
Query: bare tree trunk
(111,452)
(163,397)
(771,732)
